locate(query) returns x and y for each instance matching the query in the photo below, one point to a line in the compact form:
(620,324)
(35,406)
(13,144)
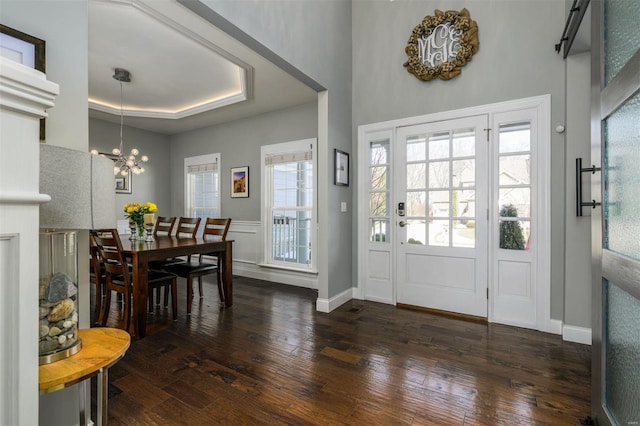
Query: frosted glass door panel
(622,392)
(621,35)
(622,174)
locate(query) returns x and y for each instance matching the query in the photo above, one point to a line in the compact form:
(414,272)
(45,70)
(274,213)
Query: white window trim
(194,161)
(274,149)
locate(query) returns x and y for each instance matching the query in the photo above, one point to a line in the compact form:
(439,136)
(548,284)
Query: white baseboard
(328,305)
(575,334)
(555,326)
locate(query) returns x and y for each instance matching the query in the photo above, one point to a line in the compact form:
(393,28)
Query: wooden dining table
(141,253)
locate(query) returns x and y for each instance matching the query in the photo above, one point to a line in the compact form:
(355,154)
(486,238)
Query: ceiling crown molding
(246,72)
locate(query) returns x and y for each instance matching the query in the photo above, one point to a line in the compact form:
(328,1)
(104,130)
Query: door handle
(402,224)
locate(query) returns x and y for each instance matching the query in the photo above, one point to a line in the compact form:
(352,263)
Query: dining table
(140,253)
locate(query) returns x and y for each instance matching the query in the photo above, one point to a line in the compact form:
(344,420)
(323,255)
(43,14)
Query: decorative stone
(44,311)
(62,339)
(44,330)
(74,317)
(46,346)
(61,310)
(43,286)
(67,324)
(54,331)
(59,287)
(72,290)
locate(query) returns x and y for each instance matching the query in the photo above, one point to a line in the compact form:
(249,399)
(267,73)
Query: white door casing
(377,269)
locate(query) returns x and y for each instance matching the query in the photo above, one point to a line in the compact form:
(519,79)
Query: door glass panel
(514,186)
(416,149)
(464,172)
(464,203)
(378,204)
(622,349)
(438,146)
(464,143)
(379,230)
(515,169)
(379,153)
(515,137)
(416,177)
(621,35)
(515,234)
(439,204)
(379,178)
(464,233)
(379,167)
(416,231)
(622,179)
(416,203)
(438,174)
(439,233)
(515,202)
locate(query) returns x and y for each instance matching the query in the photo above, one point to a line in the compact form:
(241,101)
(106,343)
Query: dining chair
(213,228)
(187,227)
(164,225)
(118,276)
(96,275)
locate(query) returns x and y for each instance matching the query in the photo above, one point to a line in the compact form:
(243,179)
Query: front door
(615,233)
(441,211)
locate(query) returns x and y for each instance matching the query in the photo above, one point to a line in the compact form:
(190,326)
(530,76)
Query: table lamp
(82,194)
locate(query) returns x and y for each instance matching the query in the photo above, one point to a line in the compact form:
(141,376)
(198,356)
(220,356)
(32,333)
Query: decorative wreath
(468,45)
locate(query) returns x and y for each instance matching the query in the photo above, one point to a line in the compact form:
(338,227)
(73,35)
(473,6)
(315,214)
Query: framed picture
(122,184)
(26,50)
(240,182)
(341,172)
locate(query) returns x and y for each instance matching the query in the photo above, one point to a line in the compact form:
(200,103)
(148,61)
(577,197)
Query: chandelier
(125,163)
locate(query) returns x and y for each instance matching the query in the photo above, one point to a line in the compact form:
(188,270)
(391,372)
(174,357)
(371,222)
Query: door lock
(402,224)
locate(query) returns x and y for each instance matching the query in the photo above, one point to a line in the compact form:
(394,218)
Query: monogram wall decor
(440,45)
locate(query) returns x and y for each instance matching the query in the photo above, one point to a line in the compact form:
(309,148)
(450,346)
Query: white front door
(441,215)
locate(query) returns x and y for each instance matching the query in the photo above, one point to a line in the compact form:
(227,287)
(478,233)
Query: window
(514,185)
(288,193)
(202,186)
(379,211)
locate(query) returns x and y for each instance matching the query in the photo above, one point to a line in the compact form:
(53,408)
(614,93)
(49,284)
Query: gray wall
(155,183)
(315,37)
(238,143)
(577,293)
(516,59)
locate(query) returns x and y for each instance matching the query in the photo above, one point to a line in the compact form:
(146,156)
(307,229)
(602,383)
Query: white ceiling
(185,73)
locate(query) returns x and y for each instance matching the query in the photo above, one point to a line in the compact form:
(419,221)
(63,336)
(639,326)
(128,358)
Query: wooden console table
(101,348)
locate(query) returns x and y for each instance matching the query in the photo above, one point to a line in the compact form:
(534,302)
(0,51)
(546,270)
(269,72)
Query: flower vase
(140,230)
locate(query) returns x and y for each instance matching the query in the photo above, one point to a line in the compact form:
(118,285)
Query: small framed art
(26,50)
(240,182)
(341,172)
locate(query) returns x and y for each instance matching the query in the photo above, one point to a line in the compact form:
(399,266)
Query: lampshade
(81,189)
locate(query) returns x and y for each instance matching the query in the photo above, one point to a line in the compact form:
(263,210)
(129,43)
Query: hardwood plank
(272,359)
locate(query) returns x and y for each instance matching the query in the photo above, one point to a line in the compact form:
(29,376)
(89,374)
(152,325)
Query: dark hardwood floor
(272,359)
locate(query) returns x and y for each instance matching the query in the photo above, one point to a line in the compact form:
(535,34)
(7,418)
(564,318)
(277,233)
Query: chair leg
(104,312)
(166,296)
(150,301)
(174,297)
(189,294)
(200,287)
(127,311)
(98,306)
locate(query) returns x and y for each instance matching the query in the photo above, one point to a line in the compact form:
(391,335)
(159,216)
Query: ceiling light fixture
(124,164)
